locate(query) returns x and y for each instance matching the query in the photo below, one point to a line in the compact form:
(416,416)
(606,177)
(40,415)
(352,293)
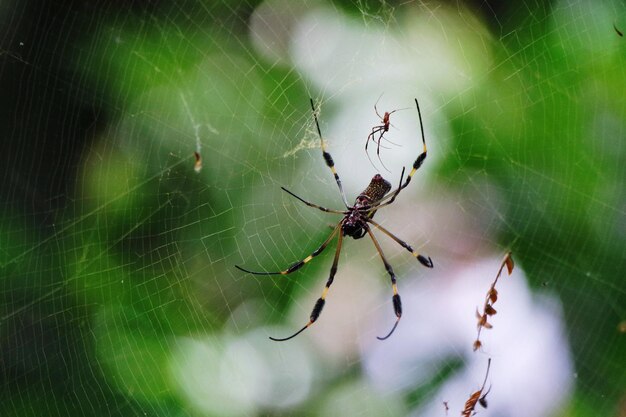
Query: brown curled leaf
(509,263)
(483,400)
(493,295)
(477,345)
(482,319)
(489,310)
(477,396)
(470,404)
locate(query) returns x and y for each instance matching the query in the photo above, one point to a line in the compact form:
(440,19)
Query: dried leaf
(198,164)
(482,320)
(470,404)
(477,345)
(493,295)
(509,263)
(487,325)
(489,310)
(483,401)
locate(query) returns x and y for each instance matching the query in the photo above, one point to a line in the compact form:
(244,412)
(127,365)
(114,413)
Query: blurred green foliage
(557,153)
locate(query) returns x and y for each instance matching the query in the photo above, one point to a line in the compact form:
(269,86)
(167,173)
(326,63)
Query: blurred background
(144,145)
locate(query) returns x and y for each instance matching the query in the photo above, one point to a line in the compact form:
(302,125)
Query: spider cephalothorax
(356,223)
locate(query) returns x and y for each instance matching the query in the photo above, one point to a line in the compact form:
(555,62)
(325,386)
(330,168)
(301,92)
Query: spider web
(144,150)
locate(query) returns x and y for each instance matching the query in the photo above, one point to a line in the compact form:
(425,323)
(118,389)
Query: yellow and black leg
(327,158)
(426,261)
(298,264)
(312,204)
(319,304)
(421,157)
(397,303)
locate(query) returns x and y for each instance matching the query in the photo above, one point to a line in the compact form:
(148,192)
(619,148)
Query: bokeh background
(118,292)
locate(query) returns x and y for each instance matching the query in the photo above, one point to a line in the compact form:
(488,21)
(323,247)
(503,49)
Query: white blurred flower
(531,372)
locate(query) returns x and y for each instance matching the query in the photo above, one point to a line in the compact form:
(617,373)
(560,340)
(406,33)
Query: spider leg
(375,129)
(327,158)
(397,303)
(319,304)
(370,159)
(388,141)
(313,205)
(421,157)
(393,111)
(298,264)
(426,261)
(380,138)
(375,104)
(386,147)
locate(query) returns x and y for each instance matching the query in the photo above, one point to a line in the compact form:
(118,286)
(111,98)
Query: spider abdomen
(374,192)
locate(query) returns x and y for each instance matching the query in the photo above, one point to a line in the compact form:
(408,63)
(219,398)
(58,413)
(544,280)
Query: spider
(355,223)
(382,129)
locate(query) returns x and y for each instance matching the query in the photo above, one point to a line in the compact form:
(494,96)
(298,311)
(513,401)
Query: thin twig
(490,300)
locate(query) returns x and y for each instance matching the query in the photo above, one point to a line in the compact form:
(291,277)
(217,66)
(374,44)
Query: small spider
(380,130)
(355,223)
